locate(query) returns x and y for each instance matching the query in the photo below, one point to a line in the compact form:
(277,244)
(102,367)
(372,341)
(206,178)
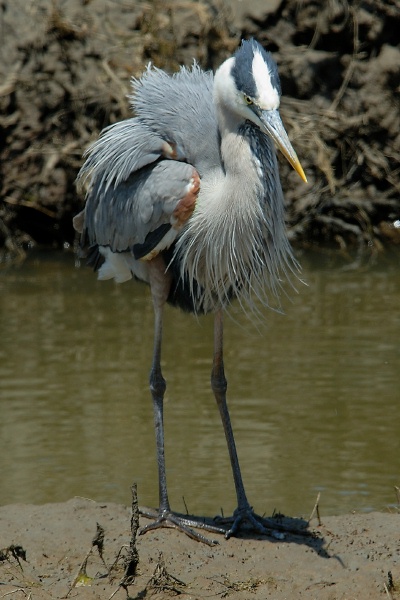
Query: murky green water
(314,394)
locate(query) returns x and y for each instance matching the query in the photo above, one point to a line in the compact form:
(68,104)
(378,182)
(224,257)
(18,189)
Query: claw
(248,520)
(251,518)
(180,522)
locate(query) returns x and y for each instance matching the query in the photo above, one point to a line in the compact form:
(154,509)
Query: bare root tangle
(132,559)
(351,137)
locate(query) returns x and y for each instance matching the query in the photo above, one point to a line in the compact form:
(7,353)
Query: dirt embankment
(59,551)
(64,75)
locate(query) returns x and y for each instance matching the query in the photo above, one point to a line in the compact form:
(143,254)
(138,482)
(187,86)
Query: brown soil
(64,75)
(353,557)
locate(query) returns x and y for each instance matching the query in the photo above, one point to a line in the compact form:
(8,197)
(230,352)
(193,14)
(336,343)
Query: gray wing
(123,148)
(144,173)
(144,212)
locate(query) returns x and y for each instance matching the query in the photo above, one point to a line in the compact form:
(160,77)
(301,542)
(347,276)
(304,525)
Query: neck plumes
(235,244)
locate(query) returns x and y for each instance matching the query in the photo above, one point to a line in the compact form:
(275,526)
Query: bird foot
(182,523)
(246,519)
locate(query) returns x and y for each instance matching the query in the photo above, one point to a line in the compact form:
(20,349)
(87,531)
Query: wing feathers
(122,149)
(142,188)
(152,240)
(125,215)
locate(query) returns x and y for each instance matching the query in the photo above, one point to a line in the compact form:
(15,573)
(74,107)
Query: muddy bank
(65,71)
(353,556)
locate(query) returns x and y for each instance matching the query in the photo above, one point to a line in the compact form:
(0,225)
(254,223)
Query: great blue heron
(186,197)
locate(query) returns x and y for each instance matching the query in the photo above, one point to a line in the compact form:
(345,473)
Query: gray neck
(235,243)
(243,177)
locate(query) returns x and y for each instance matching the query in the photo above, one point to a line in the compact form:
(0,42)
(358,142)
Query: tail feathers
(114,266)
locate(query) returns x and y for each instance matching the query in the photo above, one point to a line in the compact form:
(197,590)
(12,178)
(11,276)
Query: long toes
(247,520)
(252,522)
(149,513)
(182,524)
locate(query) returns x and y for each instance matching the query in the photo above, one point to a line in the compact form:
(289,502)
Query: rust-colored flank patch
(185,206)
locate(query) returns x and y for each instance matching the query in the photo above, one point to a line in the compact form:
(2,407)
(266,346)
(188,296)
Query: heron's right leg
(160,283)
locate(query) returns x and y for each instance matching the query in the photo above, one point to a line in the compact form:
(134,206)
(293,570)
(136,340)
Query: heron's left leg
(244,512)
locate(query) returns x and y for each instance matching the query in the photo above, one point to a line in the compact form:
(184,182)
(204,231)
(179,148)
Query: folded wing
(139,196)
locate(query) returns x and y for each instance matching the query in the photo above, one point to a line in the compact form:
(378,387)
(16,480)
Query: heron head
(248,84)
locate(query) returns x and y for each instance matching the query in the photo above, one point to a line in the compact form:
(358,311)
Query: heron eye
(248,100)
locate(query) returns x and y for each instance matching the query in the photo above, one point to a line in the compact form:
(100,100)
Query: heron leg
(159,288)
(160,283)
(244,512)
(219,387)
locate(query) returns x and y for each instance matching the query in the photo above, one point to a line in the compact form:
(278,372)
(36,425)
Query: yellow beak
(272,125)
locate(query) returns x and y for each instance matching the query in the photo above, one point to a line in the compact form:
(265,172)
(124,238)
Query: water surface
(314,393)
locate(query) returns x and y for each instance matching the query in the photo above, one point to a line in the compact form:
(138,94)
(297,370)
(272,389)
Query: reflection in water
(314,394)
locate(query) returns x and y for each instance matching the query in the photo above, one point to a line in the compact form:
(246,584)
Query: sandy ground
(352,557)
